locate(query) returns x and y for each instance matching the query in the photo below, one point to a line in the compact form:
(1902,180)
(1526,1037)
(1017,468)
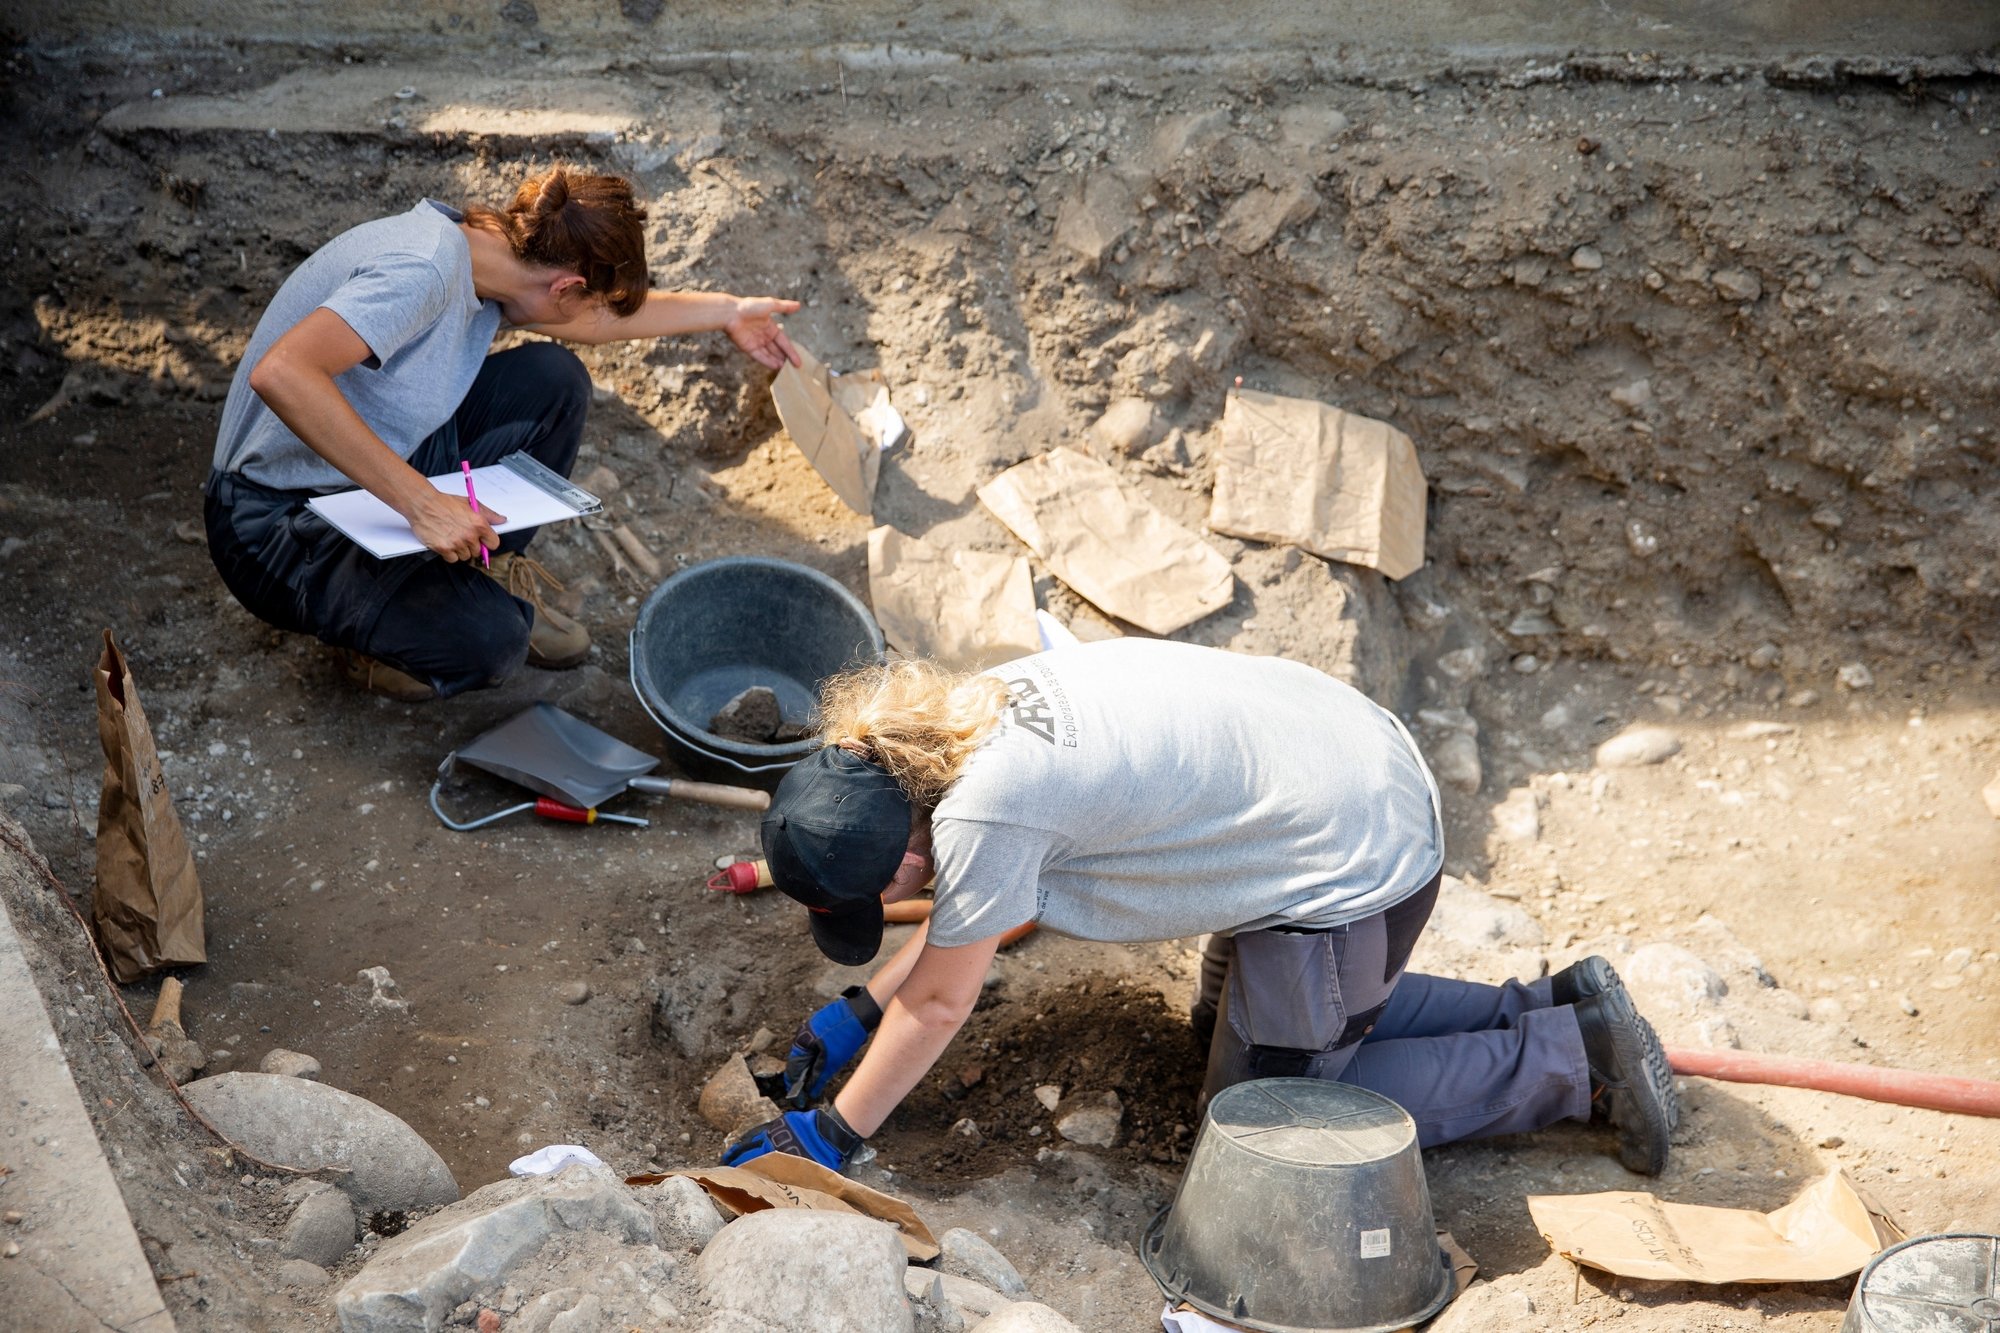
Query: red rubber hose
(1902,1087)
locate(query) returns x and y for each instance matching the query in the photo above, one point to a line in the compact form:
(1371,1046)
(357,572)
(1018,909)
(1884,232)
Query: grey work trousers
(1466,1060)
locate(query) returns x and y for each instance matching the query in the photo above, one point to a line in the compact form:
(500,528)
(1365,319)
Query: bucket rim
(1149,1246)
(743,755)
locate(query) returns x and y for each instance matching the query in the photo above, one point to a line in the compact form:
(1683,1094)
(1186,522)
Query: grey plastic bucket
(1304,1210)
(1948,1283)
(717,628)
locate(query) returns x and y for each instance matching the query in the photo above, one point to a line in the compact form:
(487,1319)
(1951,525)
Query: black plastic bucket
(717,628)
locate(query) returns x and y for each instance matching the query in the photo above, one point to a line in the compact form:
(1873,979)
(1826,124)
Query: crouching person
(371,368)
(1141,790)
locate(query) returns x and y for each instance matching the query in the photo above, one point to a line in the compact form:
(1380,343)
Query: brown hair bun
(580,222)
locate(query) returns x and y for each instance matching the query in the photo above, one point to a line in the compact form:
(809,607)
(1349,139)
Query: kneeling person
(371,368)
(1141,790)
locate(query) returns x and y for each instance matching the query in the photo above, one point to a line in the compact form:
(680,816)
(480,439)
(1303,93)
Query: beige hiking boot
(381,678)
(556,642)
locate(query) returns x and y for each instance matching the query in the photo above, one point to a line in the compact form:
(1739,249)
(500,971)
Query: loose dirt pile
(1701,369)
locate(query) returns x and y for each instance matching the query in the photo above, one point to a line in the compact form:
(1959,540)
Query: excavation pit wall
(1699,365)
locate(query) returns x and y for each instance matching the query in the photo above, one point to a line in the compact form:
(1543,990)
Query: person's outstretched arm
(750,322)
(918,1021)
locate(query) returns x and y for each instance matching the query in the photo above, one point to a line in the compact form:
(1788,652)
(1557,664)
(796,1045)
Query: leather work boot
(556,642)
(1629,1076)
(381,678)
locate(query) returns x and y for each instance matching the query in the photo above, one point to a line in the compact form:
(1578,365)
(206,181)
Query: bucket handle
(632,670)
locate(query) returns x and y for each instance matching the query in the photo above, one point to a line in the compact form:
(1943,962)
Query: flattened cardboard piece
(814,415)
(1342,486)
(1108,543)
(779,1180)
(147,908)
(968,610)
(1827,1232)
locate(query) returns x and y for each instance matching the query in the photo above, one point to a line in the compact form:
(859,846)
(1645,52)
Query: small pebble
(573,992)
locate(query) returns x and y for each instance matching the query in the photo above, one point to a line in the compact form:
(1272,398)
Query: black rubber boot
(1629,1074)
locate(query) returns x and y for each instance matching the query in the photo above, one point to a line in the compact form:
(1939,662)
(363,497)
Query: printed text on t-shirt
(1031,711)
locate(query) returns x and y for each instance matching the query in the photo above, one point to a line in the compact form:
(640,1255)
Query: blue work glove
(827,1044)
(820,1136)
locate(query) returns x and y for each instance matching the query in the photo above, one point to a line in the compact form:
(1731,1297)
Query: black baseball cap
(835,833)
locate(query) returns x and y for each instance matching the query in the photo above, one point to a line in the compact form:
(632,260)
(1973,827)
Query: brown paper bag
(147,908)
(816,409)
(968,610)
(1339,485)
(1827,1232)
(1109,544)
(780,1180)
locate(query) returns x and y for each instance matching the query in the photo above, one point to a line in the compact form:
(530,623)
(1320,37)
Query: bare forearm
(664,315)
(312,406)
(933,995)
(889,978)
(903,1050)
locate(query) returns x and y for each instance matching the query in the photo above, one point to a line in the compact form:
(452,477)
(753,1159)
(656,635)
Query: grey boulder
(1024,1317)
(967,1254)
(970,1300)
(682,1212)
(809,1272)
(322,1228)
(300,1123)
(416,1280)
(300,1273)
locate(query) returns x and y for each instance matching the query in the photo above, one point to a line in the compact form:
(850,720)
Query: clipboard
(527,492)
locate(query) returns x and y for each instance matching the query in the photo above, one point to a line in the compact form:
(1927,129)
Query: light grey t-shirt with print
(1146,790)
(404,285)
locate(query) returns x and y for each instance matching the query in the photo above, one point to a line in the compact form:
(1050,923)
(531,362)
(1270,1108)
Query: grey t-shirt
(404,285)
(1145,790)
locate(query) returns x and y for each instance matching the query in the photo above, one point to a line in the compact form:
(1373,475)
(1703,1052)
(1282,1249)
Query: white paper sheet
(385,534)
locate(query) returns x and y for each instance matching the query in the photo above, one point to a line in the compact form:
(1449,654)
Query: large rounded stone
(322,1228)
(1667,976)
(299,1123)
(682,1212)
(1024,1317)
(969,1254)
(809,1272)
(1636,747)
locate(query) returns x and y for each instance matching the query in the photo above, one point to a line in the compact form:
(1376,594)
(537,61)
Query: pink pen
(473,500)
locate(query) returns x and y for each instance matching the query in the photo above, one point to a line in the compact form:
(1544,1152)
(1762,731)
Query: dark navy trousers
(1466,1060)
(445,623)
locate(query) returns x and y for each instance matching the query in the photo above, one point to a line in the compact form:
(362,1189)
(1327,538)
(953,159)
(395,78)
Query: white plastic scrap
(555,1157)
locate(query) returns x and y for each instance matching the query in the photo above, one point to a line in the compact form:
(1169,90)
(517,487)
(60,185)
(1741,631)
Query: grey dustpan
(552,752)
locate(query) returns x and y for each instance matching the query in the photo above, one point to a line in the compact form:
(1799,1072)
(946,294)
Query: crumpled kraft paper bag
(780,1180)
(817,410)
(1110,545)
(147,908)
(1828,1232)
(1341,486)
(968,610)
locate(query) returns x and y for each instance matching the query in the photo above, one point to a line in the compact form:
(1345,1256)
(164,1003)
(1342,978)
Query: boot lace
(526,577)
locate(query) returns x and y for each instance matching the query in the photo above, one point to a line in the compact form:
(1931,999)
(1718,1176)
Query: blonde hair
(913,717)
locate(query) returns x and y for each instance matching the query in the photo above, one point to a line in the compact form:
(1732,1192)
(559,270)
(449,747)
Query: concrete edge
(80,1264)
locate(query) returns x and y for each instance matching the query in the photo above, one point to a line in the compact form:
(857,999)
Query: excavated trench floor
(1701,372)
